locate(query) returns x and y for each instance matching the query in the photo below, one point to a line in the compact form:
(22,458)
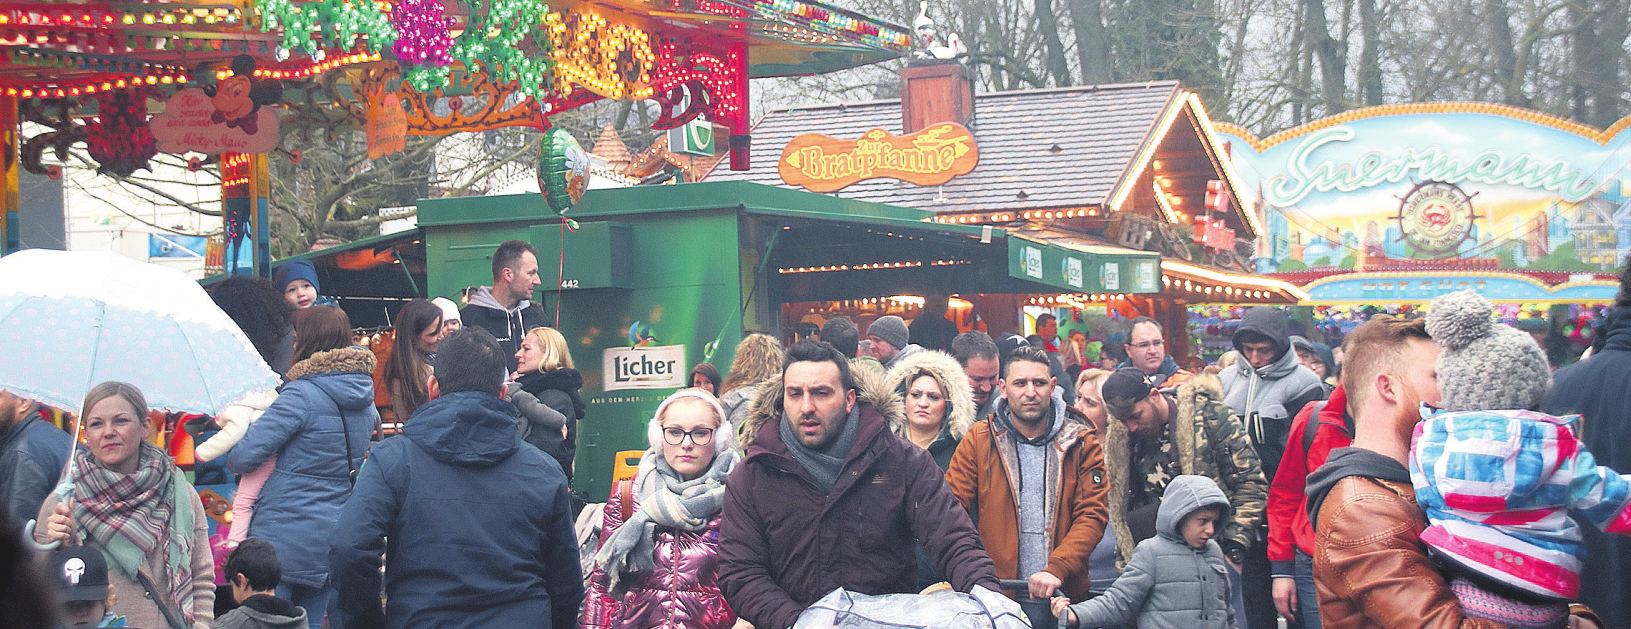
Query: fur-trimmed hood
(945,370)
(345,374)
(872,390)
(345,359)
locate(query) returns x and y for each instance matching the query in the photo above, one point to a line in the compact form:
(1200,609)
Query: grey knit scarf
(825,464)
(664,500)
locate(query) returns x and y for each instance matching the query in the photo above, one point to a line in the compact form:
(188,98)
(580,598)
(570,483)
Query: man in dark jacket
(830,497)
(1266,387)
(479,523)
(1146,349)
(1596,389)
(505,309)
(32,456)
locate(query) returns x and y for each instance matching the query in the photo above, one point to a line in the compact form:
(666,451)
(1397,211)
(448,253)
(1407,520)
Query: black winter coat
(784,544)
(559,390)
(479,525)
(32,457)
(1597,389)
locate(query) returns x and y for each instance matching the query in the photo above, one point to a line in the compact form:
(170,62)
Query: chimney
(935,92)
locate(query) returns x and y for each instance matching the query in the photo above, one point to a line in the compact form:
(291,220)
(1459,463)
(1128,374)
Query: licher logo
(1436,217)
(648,367)
(929,157)
(640,335)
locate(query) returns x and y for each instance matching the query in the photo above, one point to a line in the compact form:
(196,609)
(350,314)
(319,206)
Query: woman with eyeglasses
(658,563)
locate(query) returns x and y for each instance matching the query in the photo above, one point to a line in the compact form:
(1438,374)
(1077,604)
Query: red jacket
(1287,510)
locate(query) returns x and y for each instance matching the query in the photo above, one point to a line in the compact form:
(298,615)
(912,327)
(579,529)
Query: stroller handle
(1022,586)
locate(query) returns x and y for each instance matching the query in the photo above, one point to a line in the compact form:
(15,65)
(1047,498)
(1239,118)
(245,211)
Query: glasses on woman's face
(700,436)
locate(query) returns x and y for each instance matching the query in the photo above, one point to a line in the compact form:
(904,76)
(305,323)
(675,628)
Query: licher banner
(930,157)
(1493,186)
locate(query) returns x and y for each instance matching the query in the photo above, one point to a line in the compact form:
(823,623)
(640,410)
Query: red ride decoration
(119,138)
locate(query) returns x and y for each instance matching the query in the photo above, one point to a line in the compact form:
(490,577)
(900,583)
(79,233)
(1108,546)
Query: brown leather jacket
(1372,570)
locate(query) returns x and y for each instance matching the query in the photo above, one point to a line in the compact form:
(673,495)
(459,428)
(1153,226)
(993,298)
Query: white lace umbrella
(71,320)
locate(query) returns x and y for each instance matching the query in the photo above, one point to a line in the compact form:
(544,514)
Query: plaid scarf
(665,500)
(138,507)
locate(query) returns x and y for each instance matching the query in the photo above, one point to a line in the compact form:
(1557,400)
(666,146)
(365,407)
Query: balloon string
(560,275)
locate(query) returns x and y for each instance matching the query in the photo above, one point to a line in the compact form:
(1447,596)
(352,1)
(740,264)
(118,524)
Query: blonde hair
(124,390)
(556,353)
(1091,374)
(758,358)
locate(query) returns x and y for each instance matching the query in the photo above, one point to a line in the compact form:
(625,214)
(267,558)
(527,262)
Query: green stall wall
(684,287)
(683,283)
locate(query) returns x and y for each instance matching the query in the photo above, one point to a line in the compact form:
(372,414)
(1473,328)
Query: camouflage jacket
(1204,438)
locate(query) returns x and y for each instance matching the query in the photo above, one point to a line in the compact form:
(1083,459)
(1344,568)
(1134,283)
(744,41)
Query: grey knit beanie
(892,330)
(1485,366)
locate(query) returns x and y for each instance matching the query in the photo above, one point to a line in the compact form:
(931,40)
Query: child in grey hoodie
(1175,580)
(254,571)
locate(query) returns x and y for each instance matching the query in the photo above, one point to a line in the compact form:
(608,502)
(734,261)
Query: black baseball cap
(1126,383)
(81,574)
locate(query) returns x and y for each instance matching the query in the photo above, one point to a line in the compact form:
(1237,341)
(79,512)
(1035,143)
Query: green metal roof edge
(965,230)
(355,244)
(612,202)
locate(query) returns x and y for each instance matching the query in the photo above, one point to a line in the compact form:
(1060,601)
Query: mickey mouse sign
(233,115)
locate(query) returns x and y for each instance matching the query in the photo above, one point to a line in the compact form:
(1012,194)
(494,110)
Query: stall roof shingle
(1098,129)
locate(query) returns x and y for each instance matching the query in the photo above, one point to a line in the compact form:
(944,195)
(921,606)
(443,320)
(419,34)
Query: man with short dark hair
(828,497)
(1034,478)
(1047,326)
(842,334)
(1170,434)
(505,309)
(32,456)
(476,523)
(1147,350)
(977,353)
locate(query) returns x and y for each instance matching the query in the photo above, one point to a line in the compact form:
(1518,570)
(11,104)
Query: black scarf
(567,381)
(1345,462)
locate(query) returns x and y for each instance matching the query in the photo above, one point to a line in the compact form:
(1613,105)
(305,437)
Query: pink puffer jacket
(682,592)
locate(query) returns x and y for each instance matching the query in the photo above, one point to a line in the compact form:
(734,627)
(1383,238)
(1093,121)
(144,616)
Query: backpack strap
(1312,426)
(1311,430)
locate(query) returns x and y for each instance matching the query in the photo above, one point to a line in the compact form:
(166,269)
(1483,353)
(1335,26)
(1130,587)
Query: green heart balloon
(563,170)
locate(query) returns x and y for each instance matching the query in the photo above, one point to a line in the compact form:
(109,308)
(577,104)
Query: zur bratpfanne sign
(929,157)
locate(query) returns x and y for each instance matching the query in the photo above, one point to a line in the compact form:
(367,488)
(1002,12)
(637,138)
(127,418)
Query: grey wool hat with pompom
(1484,366)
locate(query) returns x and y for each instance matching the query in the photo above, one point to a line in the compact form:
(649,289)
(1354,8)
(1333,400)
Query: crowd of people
(1434,476)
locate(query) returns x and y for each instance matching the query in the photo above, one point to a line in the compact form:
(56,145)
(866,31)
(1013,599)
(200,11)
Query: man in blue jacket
(32,457)
(479,522)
